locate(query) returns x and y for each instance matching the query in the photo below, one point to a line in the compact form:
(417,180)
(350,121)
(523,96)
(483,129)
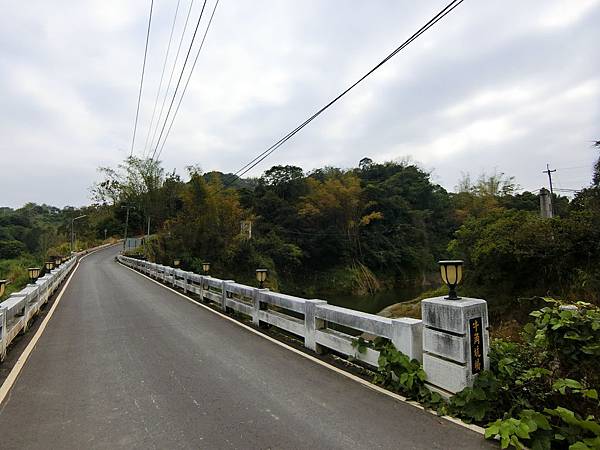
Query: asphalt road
(125,363)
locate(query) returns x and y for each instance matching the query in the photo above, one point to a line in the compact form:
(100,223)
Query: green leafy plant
(531,426)
(564,385)
(574,431)
(478,403)
(398,373)
(572,336)
(542,393)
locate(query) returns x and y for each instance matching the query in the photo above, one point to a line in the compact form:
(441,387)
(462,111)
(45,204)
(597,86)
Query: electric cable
(171,76)
(137,113)
(179,80)
(188,80)
(258,159)
(161,78)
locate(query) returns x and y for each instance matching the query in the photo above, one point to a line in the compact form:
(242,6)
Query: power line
(188,80)
(567,190)
(179,80)
(137,113)
(258,159)
(575,167)
(161,77)
(171,76)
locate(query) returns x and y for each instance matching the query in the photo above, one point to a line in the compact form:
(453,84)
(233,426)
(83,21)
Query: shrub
(542,393)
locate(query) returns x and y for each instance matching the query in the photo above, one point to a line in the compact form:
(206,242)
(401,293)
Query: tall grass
(15,271)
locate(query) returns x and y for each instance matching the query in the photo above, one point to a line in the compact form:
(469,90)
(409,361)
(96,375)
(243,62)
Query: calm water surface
(372,303)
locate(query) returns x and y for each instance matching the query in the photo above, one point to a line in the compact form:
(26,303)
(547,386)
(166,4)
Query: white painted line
(365,383)
(14,373)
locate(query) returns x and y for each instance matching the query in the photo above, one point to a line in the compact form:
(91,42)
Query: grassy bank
(15,270)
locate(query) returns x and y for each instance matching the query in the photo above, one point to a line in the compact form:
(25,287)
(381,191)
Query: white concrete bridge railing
(314,320)
(18,310)
(452,353)
(20,307)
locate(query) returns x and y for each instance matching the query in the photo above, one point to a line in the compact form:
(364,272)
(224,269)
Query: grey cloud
(69,74)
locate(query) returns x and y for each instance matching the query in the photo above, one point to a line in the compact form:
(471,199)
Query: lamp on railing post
(34,273)
(57,262)
(451,272)
(176,262)
(2,287)
(49,266)
(261,276)
(205,267)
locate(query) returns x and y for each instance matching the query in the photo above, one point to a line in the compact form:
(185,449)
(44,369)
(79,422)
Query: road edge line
(475,428)
(16,370)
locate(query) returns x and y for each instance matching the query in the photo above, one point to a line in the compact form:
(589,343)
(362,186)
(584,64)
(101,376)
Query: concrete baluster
(2,334)
(224,293)
(407,337)
(256,304)
(312,324)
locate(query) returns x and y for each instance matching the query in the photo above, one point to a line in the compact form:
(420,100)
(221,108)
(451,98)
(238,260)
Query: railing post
(407,337)
(185,282)
(312,324)
(256,305)
(201,288)
(224,293)
(2,333)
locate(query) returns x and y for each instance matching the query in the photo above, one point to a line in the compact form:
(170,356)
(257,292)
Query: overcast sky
(506,85)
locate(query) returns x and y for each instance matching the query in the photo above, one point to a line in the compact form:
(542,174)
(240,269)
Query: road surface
(125,363)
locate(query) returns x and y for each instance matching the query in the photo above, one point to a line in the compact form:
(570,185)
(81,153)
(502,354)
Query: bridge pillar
(455,342)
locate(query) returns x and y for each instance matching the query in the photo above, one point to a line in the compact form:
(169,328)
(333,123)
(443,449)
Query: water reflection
(372,303)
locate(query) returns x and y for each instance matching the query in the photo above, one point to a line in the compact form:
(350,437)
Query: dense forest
(374,228)
(34,234)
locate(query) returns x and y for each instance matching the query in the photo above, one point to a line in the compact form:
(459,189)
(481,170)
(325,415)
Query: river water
(372,303)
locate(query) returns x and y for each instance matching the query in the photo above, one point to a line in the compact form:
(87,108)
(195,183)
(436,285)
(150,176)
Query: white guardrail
(309,319)
(20,307)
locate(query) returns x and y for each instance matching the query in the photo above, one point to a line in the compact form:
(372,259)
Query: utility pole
(549,172)
(72,224)
(126,224)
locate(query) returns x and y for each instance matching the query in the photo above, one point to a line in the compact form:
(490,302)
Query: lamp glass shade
(205,267)
(261,275)
(176,262)
(49,265)
(451,273)
(33,272)
(2,287)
